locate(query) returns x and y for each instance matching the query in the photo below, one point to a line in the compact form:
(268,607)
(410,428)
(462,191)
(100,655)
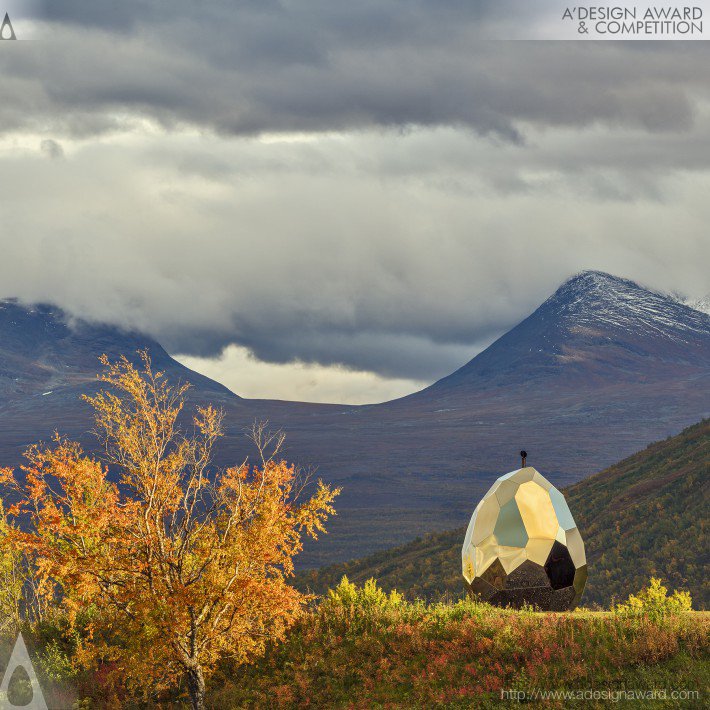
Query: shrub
(360,608)
(653,601)
(367,598)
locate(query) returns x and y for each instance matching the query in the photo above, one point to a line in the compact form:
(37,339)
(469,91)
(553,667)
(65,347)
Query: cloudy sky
(340,201)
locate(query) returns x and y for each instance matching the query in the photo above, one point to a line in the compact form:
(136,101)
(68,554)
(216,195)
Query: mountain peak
(595,329)
(43,350)
(595,298)
(593,276)
(591,281)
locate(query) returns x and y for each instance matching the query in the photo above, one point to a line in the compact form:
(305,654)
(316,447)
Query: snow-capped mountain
(601,369)
(594,298)
(595,328)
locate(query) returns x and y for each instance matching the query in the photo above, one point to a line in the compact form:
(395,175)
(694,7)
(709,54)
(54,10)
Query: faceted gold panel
(482,589)
(576,547)
(561,510)
(524,474)
(510,529)
(536,510)
(485,554)
(580,579)
(522,545)
(538,550)
(505,491)
(511,557)
(538,478)
(495,575)
(488,510)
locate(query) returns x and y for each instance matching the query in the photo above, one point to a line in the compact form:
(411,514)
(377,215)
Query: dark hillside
(645,516)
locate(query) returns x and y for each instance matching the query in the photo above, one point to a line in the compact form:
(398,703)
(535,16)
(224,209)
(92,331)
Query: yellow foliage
(179,564)
(654,601)
(11,578)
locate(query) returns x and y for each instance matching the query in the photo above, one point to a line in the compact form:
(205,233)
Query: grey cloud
(444,187)
(345,250)
(247,68)
(52,149)
(388,354)
(599,164)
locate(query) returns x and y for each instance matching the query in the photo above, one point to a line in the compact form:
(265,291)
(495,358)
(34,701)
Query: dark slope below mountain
(598,371)
(48,360)
(645,516)
(602,368)
(47,363)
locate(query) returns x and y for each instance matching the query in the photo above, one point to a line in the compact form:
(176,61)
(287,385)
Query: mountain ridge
(577,400)
(574,291)
(585,302)
(51,348)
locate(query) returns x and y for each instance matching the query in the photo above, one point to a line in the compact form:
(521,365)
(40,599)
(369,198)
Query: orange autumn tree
(180,564)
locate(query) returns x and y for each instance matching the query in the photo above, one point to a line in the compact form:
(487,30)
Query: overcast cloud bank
(371,188)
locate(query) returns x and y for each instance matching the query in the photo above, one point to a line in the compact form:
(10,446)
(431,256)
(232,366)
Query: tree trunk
(196,687)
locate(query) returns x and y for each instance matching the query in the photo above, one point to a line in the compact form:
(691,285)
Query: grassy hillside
(645,516)
(362,649)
